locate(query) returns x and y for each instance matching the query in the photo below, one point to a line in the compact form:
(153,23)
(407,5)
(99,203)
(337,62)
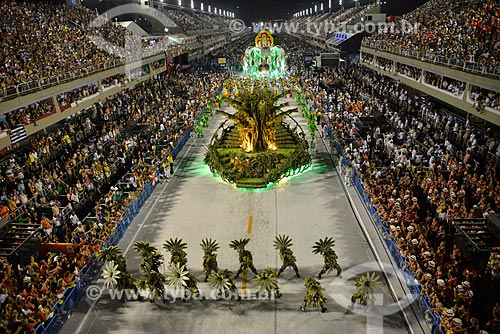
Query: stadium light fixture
(321,6)
(329,4)
(209,8)
(315,8)
(180,3)
(202,6)
(215,10)
(192,4)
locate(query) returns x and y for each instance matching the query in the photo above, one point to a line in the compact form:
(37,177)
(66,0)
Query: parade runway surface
(194,205)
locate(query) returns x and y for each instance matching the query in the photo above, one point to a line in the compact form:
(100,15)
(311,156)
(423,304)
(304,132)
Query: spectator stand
(72,296)
(423,301)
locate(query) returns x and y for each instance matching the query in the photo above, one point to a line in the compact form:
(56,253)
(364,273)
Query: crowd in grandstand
(453,86)
(67,98)
(77,165)
(467,30)
(420,171)
(29,114)
(41,40)
(186,21)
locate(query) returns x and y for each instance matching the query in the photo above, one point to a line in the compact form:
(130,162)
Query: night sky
(264,10)
(261,10)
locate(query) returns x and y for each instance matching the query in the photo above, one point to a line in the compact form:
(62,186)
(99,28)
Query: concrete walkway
(196,205)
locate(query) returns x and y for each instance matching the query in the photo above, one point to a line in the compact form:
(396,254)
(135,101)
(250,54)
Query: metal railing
(430,57)
(39,84)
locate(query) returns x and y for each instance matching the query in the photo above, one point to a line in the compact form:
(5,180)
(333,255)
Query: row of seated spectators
(486,97)
(234,59)
(479,96)
(453,86)
(41,40)
(46,40)
(32,112)
(29,114)
(186,21)
(67,98)
(216,20)
(409,71)
(467,30)
(419,181)
(80,162)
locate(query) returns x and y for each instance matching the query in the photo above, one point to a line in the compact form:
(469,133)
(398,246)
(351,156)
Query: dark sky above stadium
(264,10)
(257,10)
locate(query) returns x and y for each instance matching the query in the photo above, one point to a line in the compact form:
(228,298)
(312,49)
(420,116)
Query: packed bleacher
(464,31)
(215,20)
(30,114)
(41,40)
(187,21)
(70,174)
(324,24)
(422,169)
(46,44)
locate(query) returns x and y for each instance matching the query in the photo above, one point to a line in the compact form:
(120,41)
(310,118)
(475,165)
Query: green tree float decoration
(314,295)
(325,248)
(256,117)
(260,148)
(210,248)
(283,244)
(245,256)
(152,279)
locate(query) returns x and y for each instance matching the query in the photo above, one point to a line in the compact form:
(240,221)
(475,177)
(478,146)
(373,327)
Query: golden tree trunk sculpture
(257,115)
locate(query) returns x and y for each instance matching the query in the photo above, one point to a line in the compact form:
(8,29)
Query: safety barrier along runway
(196,205)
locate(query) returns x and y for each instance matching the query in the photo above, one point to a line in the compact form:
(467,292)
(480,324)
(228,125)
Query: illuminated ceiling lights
(202,6)
(192,4)
(180,3)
